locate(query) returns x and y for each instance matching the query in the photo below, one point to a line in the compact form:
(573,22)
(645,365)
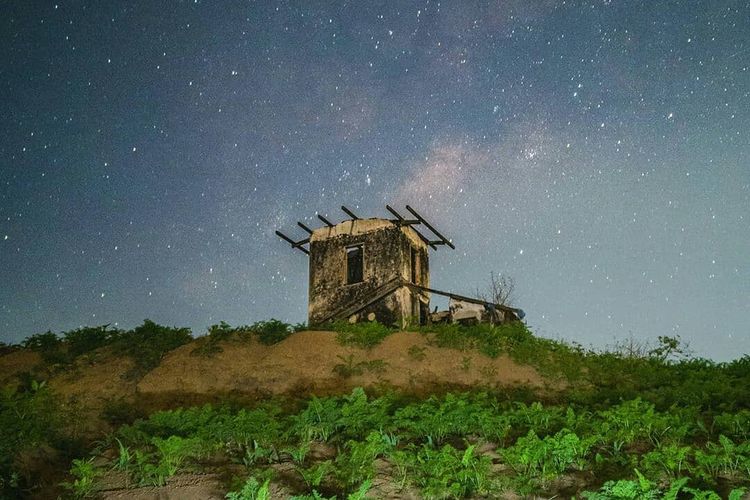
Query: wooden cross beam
(443,239)
(349,213)
(307,229)
(400,221)
(295,244)
(325,221)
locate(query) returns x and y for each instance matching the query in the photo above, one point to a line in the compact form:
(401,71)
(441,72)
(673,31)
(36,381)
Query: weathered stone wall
(386,256)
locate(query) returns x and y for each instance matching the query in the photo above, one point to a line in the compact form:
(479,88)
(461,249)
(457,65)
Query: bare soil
(306,362)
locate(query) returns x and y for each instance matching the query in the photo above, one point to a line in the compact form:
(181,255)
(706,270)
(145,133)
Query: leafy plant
(271,331)
(85,473)
(625,489)
(315,474)
(28,419)
(448,472)
(354,464)
(363,335)
(209,345)
(49,346)
(89,338)
(318,421)
(251,490)
(544,459)
(148,343)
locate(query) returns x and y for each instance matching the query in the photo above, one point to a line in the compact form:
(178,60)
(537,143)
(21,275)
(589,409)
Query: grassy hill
(274,411)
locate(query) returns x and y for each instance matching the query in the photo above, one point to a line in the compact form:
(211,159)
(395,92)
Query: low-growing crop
(541,460)
(447,472)
(85,473)
(251,490)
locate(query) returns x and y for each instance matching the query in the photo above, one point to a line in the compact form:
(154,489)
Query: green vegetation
(349,367)
(490,340)
(365,335)
(30,419)
(631,449)
(649,423)
(268,332)
(146,344)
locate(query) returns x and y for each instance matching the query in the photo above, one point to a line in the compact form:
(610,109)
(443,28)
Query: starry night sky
(597,152)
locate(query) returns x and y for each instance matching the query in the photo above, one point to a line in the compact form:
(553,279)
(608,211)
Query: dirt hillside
(309,362)
(313,362)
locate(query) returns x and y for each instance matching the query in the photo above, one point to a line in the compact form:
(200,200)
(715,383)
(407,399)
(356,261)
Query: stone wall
(386,256)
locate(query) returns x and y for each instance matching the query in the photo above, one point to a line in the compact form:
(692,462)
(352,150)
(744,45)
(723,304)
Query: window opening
(354,264)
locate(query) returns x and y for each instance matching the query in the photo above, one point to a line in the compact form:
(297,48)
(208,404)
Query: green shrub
(209,345)
(318,421)
(491,340)
(363,335)
(354,464)
(625,489)
(272,331)
(28,419)
(89,338)
(148,343)
(49,346)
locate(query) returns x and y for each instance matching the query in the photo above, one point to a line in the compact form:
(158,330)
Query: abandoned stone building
(378,270)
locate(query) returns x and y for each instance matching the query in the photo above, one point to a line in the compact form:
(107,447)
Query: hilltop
(365,409)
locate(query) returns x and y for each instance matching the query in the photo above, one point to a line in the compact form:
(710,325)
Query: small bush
(28,419)
(209,345)
(272,331)
(363,335)
(148,343)
(49,346)
(251,490)
(490,340)
(89,338)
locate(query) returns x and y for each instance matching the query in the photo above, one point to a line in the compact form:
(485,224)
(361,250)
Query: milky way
(597,152)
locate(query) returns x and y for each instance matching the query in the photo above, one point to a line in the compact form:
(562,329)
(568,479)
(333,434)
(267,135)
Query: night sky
(596,152)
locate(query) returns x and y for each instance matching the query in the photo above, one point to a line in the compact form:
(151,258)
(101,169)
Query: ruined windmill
(378,269)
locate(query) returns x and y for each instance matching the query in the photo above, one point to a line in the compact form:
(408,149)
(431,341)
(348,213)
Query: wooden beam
(299,243)
(295,244)
(400,221)
(307,229)
(349,213)
(325,221)
(502,307)
(395,214)
(429,226)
